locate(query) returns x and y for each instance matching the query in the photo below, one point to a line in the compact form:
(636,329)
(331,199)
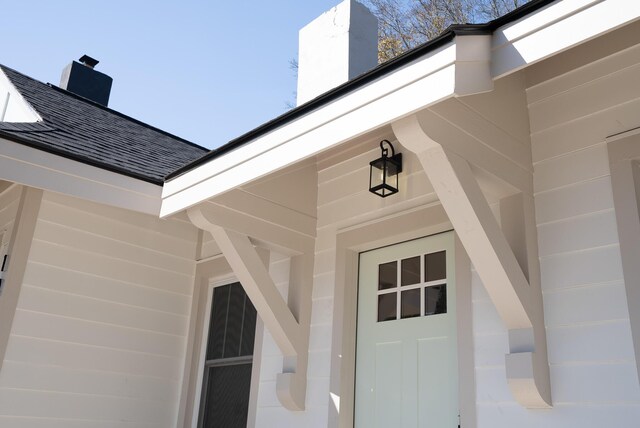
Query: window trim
(624,155)
(201,360)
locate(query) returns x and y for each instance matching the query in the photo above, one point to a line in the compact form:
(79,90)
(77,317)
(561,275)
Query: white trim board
(624,160)
(556,28)
(42,170)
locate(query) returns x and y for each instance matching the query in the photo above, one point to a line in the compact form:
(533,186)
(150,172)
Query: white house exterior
(497,288)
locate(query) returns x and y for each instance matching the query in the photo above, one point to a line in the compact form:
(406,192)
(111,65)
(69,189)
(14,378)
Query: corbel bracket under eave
(518,304)
(289,327)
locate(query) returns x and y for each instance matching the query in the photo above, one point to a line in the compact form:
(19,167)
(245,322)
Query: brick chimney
(81,79)
(335,47)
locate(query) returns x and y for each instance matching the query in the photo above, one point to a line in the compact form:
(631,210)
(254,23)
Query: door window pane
(410,271)
(387,307)
(435,299)
(435,266)
(410,303)
(387,275)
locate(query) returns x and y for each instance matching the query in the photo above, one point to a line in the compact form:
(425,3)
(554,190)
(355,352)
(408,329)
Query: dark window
(387,275)
(435,300)
(410,271)
(435,266)
(410,303)
(229,359)
(387,307)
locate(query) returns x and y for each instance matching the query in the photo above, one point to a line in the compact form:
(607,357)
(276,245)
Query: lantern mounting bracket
(396,157)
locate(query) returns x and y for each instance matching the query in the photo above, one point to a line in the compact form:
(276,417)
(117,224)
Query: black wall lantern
(383,177)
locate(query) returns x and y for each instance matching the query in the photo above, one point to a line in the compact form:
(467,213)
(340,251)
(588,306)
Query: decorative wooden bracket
(517,298)
(289,324)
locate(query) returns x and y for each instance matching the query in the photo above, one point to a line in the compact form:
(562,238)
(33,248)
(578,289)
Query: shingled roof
(79,129)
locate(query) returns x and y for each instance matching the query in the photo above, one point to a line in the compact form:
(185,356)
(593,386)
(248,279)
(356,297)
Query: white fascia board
(423,82)
(42,170)
(555,29)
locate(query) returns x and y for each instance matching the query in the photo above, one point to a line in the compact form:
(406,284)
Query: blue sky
(207,71)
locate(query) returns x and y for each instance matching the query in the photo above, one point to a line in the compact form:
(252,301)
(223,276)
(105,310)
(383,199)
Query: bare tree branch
(404,24)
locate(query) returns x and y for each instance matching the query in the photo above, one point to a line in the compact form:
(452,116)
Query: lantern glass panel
(392,178)
(377,173)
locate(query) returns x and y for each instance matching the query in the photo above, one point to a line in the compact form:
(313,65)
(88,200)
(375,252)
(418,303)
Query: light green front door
(406,361)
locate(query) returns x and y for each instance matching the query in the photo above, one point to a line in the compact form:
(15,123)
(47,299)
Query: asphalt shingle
(77,128)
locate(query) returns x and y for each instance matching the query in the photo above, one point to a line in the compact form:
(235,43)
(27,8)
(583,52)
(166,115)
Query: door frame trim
(350,242)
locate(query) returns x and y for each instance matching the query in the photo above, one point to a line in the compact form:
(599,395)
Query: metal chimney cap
(88,61)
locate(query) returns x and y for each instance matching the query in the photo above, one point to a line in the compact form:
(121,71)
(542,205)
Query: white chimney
(335,47)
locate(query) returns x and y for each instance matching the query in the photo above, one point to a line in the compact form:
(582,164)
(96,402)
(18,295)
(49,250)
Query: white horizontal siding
(269,411)
(562,416)
(35,422)
(99,334)
(590,352)
(344,199)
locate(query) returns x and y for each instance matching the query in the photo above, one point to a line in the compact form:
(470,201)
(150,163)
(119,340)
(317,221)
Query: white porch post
(516,297)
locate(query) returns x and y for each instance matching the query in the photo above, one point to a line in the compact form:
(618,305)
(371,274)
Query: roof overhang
(36,168)
(465,65)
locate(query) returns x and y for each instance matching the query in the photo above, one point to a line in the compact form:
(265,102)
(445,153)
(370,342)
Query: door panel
(388,383)
(406,364)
